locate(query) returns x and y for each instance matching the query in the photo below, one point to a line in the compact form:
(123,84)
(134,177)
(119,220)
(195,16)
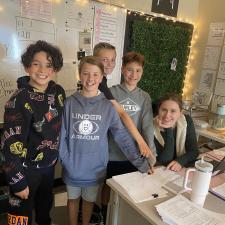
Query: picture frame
(166,7)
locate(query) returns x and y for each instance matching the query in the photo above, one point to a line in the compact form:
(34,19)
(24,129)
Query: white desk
(211,135)
(123,211)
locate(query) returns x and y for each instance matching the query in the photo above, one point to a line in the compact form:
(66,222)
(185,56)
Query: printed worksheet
(181,211)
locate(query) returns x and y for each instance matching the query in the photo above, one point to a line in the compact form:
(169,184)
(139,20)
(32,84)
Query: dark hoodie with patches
(32,122)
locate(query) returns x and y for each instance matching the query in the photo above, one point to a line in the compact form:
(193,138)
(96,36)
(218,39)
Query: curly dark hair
(54,54)
(102,45)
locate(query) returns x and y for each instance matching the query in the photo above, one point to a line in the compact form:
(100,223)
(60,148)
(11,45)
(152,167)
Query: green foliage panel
(161,42)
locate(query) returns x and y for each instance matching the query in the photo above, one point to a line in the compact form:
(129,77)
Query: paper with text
(142,187)
(180,211)
(219,191)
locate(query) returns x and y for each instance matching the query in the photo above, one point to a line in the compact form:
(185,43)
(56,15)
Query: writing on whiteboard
(6,88)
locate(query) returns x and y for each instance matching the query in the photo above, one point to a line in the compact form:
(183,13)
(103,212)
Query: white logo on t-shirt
(130,106)
(85,127)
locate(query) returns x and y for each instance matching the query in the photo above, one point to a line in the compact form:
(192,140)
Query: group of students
(96,133)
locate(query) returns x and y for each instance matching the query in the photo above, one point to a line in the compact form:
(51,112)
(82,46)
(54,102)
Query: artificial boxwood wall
(159,41)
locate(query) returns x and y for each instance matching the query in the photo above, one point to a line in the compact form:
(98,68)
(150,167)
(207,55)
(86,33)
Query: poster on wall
(166,7)
(217,99)
(222,59)
(211,57)
(221,73)
(85,42)
(201,98)
(219,89)
(38,9)
(109,26)
(207,80)
(216,34)
(211,61)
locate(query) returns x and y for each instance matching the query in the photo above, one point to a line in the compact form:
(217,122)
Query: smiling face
(132,73)
(40,71)
(108,59)
(169,112)
(90,77)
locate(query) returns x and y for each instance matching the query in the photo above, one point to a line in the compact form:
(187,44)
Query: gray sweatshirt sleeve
(127,144)
(147,129)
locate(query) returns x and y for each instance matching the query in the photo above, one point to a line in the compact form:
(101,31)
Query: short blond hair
(93,60)
(102,45)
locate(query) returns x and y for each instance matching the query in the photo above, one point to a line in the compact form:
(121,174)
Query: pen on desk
(155,195)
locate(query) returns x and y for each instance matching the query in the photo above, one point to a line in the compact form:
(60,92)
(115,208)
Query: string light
(187,90)
(57,1)
(138,13)
(153,16)
(1,8)
(82,2)
(188,87)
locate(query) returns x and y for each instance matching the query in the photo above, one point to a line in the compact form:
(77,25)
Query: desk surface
(148,211)
(211,135)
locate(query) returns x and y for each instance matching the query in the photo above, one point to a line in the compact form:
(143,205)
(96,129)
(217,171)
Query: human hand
(23,194)
(174,166)
(165,124)
(151,170)
(145,150)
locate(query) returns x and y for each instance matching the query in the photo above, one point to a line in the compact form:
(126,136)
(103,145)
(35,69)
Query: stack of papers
(163,176)
(180,211)
(142,187)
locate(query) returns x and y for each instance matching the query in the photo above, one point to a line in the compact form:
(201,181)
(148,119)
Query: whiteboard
(61,23)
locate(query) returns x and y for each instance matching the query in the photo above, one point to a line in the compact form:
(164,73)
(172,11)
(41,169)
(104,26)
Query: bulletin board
(72,25)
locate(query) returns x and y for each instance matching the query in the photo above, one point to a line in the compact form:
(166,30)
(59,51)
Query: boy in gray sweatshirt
(83,151)
(137,104)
